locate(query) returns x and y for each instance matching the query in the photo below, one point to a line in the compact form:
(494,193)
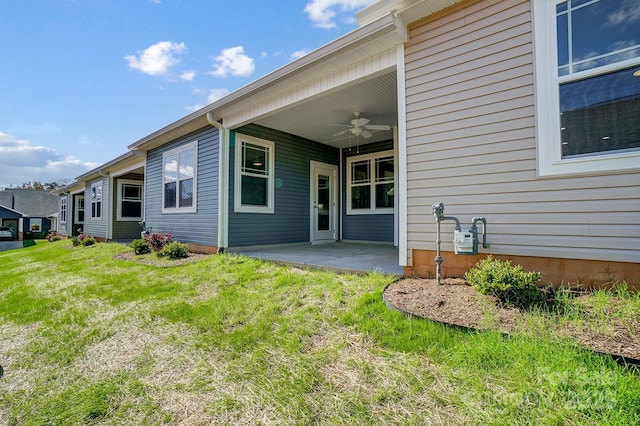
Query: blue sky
(82,79)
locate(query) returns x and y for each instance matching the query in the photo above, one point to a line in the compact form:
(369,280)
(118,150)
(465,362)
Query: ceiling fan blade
(342,132)
(360,121)
(377,127)
(366,134)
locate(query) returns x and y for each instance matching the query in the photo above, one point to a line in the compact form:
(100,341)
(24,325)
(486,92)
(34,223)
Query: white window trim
(237,196)
(119,208)
(547,105)
(76,210)
(64,203)
(372,159)
(176,151)
(101,201)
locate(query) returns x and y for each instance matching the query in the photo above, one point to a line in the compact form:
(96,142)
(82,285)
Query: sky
(80,80)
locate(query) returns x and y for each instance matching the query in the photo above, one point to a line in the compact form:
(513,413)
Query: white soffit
(407,10)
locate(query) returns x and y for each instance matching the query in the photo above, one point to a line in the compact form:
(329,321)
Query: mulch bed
(455,302)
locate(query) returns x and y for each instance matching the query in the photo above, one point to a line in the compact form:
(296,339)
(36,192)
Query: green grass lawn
(89,339)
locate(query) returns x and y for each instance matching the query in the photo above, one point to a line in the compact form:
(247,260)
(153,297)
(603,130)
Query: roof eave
(378,28)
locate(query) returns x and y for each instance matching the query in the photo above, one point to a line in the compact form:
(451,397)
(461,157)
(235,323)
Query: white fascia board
(100,170)
(385,25)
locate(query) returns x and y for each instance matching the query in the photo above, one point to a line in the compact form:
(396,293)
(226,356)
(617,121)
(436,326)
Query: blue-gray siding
(290,221)
(364,227)
(97,227)
(195,228)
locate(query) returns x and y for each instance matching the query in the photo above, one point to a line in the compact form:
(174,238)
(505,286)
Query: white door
(324,202)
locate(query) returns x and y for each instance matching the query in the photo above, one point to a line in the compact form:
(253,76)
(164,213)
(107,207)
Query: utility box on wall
(465,242)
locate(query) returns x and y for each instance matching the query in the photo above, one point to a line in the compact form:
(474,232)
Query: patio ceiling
(375,98)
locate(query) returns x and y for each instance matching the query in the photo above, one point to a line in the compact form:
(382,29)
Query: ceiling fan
(359,127)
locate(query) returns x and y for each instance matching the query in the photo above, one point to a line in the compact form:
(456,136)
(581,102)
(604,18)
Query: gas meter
(465,242)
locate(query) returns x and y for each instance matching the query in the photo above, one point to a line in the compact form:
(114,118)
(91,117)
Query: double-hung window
(588,85)
(63,209)
(179,179)
(96,201)
(371,182)
(254,175)
(79,211)
(129,200)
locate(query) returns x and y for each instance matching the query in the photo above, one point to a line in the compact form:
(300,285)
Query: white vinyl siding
(471,144)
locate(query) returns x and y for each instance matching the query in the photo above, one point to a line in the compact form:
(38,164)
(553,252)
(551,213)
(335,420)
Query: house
(27,212)
(458,102)
(106,202)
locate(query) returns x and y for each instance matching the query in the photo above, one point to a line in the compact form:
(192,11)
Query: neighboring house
(479,115)
(27,212)
(106,202)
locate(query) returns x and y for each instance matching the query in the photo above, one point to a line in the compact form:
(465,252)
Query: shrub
(83,239)
(53,236)
(510,284)
(157,240)
(175,250)
(140,246)
(88,241)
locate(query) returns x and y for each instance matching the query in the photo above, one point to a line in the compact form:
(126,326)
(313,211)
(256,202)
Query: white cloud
(323,12)
(213,96)
(233,61)
(627,14)
(299,54)
(188,75)
(156,59)
(20,162)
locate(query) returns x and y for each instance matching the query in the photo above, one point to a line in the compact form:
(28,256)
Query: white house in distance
(523,112)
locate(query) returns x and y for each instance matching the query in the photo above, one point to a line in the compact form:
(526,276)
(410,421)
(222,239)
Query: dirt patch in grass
(606,329)
(164,262)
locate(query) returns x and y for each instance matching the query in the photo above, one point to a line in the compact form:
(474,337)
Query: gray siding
(97,227)
(195,228)
(364,227)
(124,229)
(471,145)
(290,221)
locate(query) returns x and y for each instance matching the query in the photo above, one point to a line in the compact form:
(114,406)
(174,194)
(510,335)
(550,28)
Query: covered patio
(343,257)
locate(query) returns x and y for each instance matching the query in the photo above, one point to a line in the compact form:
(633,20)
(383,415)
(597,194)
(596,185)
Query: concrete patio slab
(10,245)
(340,257)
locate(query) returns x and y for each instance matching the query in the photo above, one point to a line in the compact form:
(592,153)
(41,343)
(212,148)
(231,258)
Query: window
(96,201)
(371,182)
(80,209)
(129,200)
(254,175)
(63,209)
(588,88)
(35,225)
(179,179)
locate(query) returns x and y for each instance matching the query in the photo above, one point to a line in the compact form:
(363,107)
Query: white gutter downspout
(223,183)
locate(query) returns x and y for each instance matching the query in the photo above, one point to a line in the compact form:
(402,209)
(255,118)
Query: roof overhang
(378,37)
(408,11)
(131,161)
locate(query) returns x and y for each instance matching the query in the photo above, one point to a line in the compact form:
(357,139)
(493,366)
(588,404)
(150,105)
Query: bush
(175,250)
(83,239)
(55,238)
(157,240)
(140,246)
(510,284)
(88,241)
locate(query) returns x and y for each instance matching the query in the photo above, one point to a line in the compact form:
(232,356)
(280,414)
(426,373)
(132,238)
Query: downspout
(223,180)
